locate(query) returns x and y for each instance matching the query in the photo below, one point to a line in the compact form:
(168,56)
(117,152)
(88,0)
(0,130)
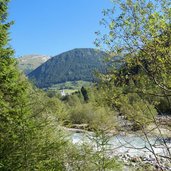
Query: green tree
(30,138)
(85,94)
(13,97)
(139,33)
(22,121)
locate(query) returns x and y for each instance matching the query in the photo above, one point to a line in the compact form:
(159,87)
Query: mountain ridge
(28,63)
(73,65)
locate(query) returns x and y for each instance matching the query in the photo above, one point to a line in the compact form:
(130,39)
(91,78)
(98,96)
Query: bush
(138,111)
(95,117)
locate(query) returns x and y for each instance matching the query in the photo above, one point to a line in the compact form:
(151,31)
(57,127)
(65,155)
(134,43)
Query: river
(133,145)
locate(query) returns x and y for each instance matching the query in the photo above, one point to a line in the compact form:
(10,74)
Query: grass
(70,91)
(70,85)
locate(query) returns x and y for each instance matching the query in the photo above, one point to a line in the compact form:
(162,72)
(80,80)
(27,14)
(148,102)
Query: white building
(62,93)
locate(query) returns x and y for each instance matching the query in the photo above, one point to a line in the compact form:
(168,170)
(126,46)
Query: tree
(29,134)
(85,94)
(140,33)
(13,99)
(30,138)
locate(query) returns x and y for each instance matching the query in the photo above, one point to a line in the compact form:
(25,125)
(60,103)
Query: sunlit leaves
(140,31)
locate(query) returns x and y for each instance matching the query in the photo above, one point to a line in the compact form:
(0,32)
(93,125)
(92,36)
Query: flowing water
(133,145)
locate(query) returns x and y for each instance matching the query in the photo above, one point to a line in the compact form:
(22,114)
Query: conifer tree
(85,94)
(13,97)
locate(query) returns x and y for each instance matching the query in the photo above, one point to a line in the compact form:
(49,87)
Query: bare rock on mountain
(28,63)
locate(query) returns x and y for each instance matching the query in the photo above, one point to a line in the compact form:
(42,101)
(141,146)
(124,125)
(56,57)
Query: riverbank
(132,151)
(132,148)
(147,163)
(151,130)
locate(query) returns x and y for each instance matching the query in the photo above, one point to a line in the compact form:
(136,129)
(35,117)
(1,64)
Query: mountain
(73,65)
(28,63)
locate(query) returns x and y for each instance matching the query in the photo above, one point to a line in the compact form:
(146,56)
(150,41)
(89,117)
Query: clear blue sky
(50,27)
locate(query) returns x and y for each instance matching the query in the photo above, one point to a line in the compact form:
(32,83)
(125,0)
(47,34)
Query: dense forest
(36,126)
(74,65)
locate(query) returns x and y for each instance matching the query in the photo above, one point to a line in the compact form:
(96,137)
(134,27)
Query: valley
(106,108)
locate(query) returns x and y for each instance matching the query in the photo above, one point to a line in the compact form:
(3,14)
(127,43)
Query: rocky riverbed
(148,162)
(135,151)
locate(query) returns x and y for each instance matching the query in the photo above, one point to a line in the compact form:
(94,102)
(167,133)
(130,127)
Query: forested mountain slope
(73,65)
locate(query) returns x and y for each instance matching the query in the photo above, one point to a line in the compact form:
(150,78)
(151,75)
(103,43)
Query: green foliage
(137,110)
(96,117)
(73,100)
(31,137)
(13,99)
(85,94)
(29,134)
(164,105)
(101,158)
(140,34)
(84,157)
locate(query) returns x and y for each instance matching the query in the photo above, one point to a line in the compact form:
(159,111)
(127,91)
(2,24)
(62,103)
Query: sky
(50,27)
